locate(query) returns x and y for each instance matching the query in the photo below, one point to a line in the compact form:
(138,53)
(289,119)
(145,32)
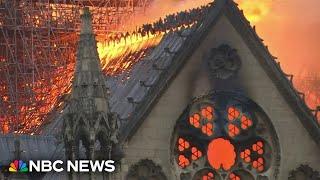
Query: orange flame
(255,10)
(116,57)
(119,55)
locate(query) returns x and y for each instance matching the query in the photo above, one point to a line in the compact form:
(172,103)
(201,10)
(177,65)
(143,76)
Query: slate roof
(31,147)
(146,73)
(132,99)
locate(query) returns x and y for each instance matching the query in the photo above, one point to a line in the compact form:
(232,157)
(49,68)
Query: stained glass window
(225,136)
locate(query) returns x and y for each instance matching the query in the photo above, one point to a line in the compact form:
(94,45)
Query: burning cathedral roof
(134,62)
(146,70)
(137,77)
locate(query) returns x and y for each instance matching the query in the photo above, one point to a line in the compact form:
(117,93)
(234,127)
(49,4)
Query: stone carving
(88,120)
(223,62)
(304,172)
(145,169)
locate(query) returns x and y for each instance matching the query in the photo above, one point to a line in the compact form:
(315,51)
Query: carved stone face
(223,62)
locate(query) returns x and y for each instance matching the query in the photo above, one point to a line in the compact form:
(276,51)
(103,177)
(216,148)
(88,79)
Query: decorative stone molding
(223,62)
(145,169)
(304,172)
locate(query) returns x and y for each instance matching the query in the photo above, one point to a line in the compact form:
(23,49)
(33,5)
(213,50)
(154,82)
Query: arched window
(225,136)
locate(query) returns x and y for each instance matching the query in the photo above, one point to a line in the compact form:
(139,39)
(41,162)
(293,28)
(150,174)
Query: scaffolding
(37,49)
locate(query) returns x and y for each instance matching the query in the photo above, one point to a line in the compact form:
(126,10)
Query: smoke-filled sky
(292,31)
(291,28)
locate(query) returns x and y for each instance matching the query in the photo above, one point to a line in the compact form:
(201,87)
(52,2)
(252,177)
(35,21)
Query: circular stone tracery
(221,133)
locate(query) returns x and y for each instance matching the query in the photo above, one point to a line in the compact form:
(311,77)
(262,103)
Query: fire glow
(255,10)
(118,53)
(116,57)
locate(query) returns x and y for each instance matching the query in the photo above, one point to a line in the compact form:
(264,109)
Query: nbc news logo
(19,166)
(16,166)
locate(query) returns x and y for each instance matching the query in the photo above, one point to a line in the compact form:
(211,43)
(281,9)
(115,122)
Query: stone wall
(153,139)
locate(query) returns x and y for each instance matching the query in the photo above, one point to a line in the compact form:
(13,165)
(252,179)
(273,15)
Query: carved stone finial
(86,21)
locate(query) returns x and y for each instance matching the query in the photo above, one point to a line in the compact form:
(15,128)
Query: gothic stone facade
(153,139)
(214,83)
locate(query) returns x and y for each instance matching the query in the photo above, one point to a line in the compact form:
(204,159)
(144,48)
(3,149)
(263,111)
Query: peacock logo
(18,166)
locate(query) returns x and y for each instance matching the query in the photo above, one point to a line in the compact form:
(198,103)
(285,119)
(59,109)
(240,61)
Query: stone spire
(89,82)
(86,21)
(90,129)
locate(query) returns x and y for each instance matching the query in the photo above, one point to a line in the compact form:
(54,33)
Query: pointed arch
(102,129)
(102,121)
(80,120)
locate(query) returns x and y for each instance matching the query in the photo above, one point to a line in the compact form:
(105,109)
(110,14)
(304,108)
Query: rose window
(225,136)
